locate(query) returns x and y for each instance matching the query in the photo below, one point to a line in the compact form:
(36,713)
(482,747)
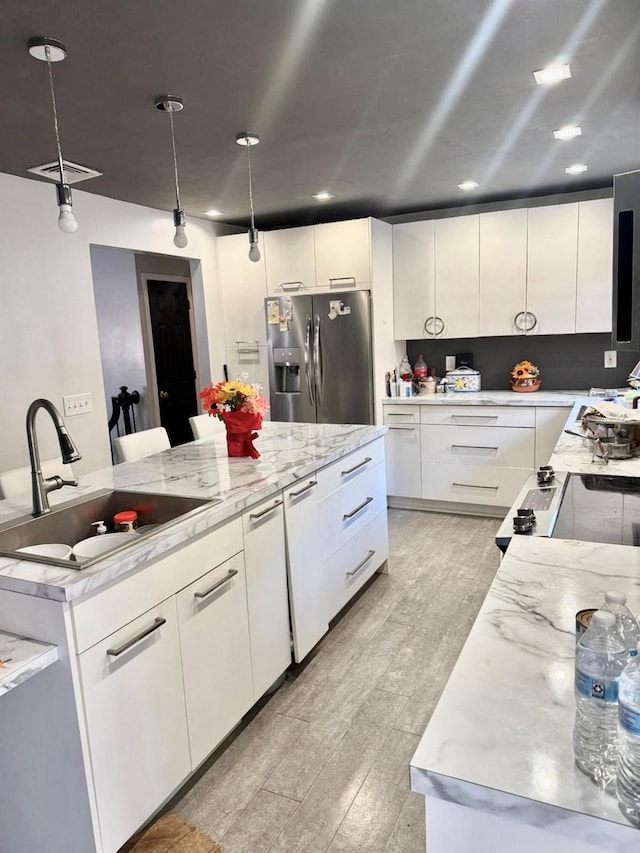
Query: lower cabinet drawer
(499,447)
(136,723)
(216,657)
(472,485)
(347,511)
(347,570)
(350,468)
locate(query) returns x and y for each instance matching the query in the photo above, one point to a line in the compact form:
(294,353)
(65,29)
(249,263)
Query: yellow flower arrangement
(525,370)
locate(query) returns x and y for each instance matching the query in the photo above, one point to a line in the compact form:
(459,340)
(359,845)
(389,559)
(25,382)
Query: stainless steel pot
(607,448)
(608,428)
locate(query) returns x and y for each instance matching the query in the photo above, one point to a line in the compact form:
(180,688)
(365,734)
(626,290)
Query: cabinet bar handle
(398,415)
(265,511)
(355,467)
(230,574)
(360,565)
(309,485)
(248,346)
(474,447)
(290,285)
(357,509)
(351,279)
(158,622)
(477,417)
(474,486)
(411,429)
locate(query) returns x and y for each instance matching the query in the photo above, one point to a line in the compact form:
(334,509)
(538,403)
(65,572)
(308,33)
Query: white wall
(49,345)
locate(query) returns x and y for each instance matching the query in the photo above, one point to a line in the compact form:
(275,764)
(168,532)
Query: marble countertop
(491,398)
(574,454)
(202,469)
(500,739)
(25,658)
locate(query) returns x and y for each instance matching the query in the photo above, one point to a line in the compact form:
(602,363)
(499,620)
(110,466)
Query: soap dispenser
(100,526)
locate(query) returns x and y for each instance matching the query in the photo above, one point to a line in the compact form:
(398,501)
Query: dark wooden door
(171,330)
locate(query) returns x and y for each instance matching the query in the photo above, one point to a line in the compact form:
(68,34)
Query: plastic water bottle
(616,603)
(600,658)
(628,782)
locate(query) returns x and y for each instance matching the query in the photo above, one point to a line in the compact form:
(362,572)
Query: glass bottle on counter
(420,369)
(600,658)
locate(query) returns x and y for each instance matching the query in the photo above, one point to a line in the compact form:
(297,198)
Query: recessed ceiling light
(576,169)
(468,185)
(552,74)
(323,196)
(212,212)
(569,131)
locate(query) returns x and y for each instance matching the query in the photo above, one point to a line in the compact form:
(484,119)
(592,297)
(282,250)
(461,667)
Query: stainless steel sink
(71,522)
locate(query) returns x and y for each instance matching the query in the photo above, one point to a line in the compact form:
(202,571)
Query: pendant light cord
(250,188)
(175,161)
(55,115)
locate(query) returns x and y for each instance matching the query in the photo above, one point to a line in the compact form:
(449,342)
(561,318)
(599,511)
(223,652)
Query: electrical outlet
(610,358)
(78,404)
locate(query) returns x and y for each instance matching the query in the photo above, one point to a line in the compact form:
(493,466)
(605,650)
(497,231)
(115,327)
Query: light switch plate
(610,358)
(77,404)
(450,362)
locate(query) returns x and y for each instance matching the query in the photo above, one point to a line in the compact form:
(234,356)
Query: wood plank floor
(323,765)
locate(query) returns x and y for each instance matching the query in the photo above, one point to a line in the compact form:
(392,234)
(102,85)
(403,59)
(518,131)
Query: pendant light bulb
(66,220)
(254,248)
(180,239)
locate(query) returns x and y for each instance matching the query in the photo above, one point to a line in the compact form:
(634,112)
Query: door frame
(153,401)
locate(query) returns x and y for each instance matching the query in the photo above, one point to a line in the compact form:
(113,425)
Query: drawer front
(136,721)
(102,613)
(472,484)
(350,468)
(216,660)
(501,447)
(348,569)
(462,415)
(393,415)
(345,512)
(402,446)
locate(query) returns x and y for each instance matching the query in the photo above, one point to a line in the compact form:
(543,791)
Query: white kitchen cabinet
(402,450)
(216,657)
(251,360)
(414,281)
(552,268)
(550,421)
(290,260)
(503,272)
(595,265)
(136,721)
(267,596)
(457,246)
(307,589)
(343,254)
(243,285)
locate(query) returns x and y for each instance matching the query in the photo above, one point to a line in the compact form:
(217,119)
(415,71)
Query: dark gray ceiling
(389,104)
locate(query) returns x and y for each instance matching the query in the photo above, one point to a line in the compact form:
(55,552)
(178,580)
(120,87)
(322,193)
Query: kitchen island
(496,762)
(164,646)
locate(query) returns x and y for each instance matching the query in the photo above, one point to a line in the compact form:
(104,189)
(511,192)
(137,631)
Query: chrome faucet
(40,486)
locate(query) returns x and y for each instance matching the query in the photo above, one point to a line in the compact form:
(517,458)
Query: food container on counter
(463,379)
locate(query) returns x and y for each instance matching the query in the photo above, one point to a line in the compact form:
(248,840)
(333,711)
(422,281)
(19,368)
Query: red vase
(241,433)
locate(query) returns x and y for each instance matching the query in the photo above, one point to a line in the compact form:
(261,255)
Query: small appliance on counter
(463,379)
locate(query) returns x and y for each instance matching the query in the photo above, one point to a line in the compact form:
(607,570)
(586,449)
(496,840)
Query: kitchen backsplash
(566,362)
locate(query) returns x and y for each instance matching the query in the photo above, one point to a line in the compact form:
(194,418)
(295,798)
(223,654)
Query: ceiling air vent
(73,172)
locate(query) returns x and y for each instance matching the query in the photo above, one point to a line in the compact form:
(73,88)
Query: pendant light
(51,50)
(173,104)
(249,139)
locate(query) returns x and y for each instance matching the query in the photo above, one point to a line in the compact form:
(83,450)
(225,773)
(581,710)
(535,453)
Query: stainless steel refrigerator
(320,358)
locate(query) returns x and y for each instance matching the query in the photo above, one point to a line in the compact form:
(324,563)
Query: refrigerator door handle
(317,360)
(307,361)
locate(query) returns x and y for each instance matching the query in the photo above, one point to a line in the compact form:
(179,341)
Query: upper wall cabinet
(551,268)
(595,265)
(414,278)
(457,244)
(243,285)
(503,272)
(343,254)
(290,260)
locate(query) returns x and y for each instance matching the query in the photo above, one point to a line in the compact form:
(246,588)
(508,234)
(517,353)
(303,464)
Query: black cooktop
(600,508)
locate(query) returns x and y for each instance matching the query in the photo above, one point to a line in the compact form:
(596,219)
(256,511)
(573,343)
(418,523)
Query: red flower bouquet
(240,407)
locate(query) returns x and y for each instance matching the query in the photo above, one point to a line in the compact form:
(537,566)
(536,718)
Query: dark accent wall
(566,362)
